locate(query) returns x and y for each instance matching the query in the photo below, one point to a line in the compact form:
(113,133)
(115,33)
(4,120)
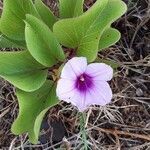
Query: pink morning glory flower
(84,85)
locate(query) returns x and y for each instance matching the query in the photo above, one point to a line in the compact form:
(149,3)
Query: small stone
(139,92)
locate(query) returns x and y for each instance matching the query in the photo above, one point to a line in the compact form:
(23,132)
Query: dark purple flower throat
(84,82)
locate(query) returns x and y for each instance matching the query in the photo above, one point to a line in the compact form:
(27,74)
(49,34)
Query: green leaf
(109,37)
(11,22)
(33,107)
(84,32)
(46,15)
(7,43)
(41,42)
(70,8)
(20,69)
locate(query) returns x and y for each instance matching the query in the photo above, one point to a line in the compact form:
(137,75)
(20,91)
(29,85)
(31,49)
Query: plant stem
(82,130)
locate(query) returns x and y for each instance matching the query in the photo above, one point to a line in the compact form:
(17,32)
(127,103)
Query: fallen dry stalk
(118,132)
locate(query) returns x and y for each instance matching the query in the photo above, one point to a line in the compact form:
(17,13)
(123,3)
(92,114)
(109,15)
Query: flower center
(84,82)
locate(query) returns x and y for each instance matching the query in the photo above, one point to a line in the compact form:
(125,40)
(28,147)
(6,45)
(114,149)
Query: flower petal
(100,94)
(74,67)
(100,71)
(64,86)
(79,100)
(67,92)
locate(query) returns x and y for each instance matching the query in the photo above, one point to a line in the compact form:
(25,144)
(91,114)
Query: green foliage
(41,42)
(31,25)
(20,69)
(45,13)
(11,22)
(5,42)
(70,8)
(33,107)
(109,37)
(84,32)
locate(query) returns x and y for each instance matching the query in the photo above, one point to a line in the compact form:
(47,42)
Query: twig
(117,132)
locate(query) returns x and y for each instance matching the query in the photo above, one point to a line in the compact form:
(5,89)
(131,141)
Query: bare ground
(122,125)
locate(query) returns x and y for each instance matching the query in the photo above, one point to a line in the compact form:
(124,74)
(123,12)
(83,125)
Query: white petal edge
(74,67)
(100,71)
(64,86)
(100,94)
(65,91)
